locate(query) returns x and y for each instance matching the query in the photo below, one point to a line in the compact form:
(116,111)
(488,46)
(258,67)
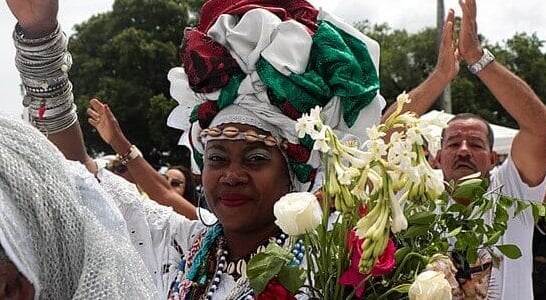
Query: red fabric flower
(351,276)
(290,110)
(207,63)
(206,113)
(300,10)
(297,153)
(275,291)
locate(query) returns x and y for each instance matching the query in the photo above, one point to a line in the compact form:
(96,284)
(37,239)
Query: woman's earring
(198,211)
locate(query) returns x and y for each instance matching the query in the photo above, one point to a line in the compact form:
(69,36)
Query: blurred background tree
(122,57)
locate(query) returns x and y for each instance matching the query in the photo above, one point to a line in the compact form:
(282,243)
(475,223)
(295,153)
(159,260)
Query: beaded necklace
(196,265)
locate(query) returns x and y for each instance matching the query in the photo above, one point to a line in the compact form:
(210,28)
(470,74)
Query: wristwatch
(486,58)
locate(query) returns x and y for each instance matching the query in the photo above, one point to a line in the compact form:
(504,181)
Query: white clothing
(62,233)
(513,277)
(160,235)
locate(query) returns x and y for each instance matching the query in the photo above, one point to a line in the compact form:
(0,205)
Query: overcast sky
(497,20)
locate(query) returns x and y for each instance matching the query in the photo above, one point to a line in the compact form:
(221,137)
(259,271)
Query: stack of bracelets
(43,64)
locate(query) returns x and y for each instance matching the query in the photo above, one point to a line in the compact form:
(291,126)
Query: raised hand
(104,121)
(469,42)
(448,56)
(36,17)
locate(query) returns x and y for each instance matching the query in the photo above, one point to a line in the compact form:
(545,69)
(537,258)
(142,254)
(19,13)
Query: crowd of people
(76,227)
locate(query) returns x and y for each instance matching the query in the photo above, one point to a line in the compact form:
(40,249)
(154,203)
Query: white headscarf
(49,233)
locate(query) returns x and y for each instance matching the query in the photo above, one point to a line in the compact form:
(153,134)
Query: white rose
(297,213)
(430,285)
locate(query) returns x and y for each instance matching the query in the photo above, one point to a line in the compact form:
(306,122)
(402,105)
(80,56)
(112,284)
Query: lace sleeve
(93,196)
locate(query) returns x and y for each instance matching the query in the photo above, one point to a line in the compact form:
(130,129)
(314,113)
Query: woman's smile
(234,199)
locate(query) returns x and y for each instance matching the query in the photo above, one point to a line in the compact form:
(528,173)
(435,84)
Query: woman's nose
(234,176)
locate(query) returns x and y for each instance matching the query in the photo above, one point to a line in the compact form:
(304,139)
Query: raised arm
(447,67)
(157,187)
(55,116)
(529,146)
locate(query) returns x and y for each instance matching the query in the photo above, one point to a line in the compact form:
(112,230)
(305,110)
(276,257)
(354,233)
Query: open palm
(103,120)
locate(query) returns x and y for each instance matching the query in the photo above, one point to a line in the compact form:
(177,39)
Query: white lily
(374,133)
(414,136)
(399,221)
(314,114)
(304,126)
(321,140)
(344,176)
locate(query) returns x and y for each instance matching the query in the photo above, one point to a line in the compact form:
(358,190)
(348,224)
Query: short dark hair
(190,191)
(466,116)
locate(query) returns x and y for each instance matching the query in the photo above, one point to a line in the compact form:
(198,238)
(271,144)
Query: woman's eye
(258,157)
(214,157)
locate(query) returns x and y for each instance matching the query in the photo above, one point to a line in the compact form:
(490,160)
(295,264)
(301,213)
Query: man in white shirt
(467,142)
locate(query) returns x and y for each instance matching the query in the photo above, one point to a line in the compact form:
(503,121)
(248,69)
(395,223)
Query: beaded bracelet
(133,153)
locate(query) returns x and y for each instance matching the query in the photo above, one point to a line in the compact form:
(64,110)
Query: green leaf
(402,288)
(444,197)
(541,210)
(456,207)
(467,189)
(401,253)
(455,231)
(505,201)
(494,238)
(292,277)
(472,255)
(415,231)
(265,265)
(510,251)
(520,206)
(501,216)
(422,218)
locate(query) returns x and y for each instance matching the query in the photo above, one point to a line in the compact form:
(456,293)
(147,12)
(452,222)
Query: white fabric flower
(430,285)
(297,213)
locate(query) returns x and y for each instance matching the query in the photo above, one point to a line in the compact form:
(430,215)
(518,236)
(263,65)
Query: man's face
(465,149)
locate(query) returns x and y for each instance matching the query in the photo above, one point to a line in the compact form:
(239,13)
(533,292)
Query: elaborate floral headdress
(277,60)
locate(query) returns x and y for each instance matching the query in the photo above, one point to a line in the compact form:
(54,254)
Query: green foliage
(448,227)
(274,261)
(123,57)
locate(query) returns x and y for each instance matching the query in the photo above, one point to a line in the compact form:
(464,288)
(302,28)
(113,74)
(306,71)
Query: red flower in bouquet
(275,291)
(351,276)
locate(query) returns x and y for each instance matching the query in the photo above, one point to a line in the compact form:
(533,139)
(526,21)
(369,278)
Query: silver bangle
(43,64)
(19,35)
(56,124)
